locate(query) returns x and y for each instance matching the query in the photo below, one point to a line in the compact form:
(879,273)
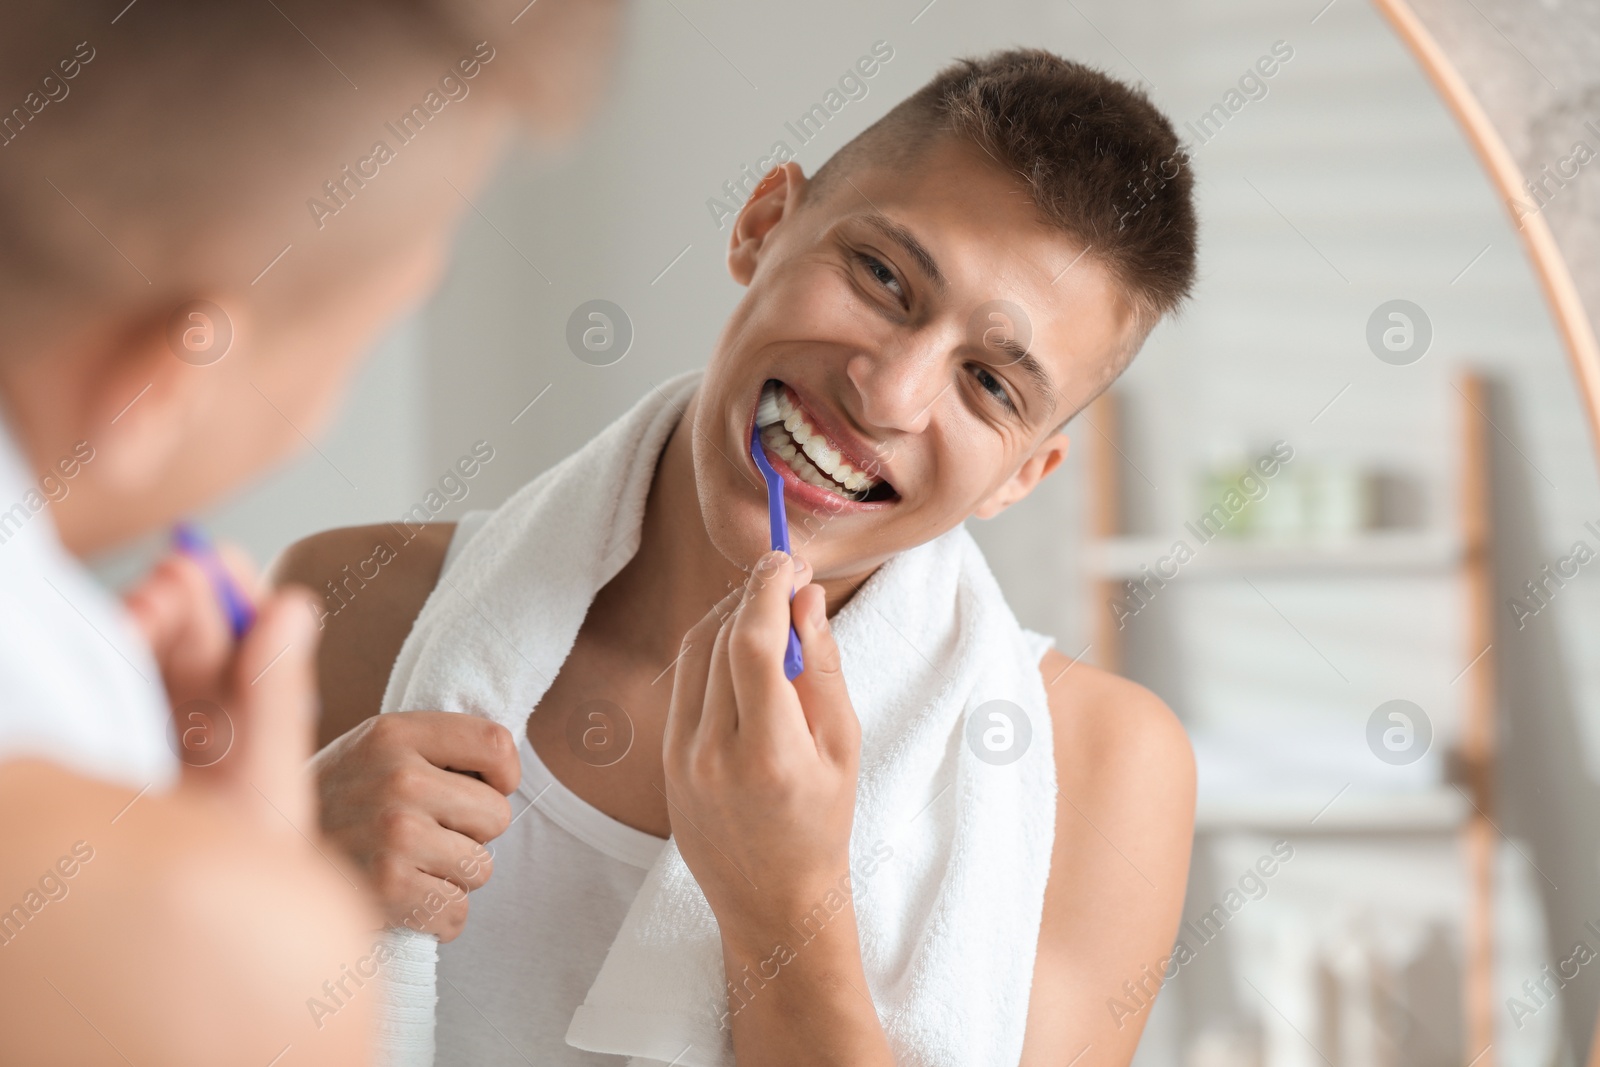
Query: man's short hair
(181,144)
(1102,164)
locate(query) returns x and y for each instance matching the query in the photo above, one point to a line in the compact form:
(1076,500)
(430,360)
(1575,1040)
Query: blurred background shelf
(1271,777)
(1371,552)
(1433,811)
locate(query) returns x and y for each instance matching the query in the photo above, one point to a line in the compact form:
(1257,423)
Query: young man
(1020,184)
(175,315)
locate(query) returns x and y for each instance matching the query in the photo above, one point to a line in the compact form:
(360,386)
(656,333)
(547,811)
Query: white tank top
(565,874)
(537,932)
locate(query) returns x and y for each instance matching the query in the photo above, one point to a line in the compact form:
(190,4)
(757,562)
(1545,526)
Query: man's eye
(883,275)
(993,386)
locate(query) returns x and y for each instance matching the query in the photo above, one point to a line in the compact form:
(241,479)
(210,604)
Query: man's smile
(822,463)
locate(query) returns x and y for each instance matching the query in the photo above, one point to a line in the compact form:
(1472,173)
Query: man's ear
(1046,458)
(140,399)
(777,197)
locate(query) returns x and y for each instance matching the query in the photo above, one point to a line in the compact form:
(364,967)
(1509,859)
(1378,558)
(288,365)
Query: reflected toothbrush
(777,518)
(192,542)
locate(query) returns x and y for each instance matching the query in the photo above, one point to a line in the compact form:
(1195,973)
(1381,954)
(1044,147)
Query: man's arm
(192,925)
(389,797)
(162,928)
(372,582)
(1119,868)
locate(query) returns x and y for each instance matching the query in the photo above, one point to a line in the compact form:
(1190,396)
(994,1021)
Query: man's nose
(899,387)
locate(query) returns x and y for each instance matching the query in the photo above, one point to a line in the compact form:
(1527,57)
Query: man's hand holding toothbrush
(761,786)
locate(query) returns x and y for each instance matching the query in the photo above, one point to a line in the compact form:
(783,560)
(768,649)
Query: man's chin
(738,531)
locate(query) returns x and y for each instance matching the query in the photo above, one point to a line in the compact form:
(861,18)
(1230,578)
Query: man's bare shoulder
(408,553)
(1119,864)
(372,581)
(126,902)
(1125,773)
(1108,726)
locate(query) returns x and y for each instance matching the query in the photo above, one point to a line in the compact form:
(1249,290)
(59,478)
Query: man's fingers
(465,805)
(242,569)
(689,673)
(760,630)
(414,843)
(177,610)
(757,641)
(720,717)
(270,705)
(430,905)
(457,742)
(823,694)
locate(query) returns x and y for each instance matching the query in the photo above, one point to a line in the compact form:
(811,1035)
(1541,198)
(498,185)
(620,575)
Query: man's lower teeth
(811,475)
(804,469)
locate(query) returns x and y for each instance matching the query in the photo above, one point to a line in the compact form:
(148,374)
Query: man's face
(928,329)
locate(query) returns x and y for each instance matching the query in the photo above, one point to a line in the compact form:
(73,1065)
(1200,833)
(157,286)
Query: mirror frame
(1572,321)
(1561,294)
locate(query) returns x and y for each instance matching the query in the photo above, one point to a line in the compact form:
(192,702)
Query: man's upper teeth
(825,459)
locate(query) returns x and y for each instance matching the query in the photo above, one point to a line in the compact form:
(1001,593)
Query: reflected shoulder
(1111,725)
(371,583)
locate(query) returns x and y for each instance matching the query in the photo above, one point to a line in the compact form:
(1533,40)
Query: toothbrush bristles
(767,411)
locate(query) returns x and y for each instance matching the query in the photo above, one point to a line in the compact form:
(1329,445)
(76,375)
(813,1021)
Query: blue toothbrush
(192,542)
(777,518)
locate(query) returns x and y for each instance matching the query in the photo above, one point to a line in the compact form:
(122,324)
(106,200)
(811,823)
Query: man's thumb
(821,688)
(272,701)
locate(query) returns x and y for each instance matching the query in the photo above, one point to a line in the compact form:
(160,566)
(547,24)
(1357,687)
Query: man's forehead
(946,177)
(957,212)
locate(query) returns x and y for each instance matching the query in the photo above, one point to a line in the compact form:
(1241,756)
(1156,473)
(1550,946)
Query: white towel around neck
(949,854)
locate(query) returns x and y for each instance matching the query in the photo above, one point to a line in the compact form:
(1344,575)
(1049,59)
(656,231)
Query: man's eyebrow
(907,241)
(1030,365)
(1019,355)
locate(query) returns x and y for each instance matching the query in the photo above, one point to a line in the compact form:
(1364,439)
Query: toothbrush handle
(778,523)
(793,664)
(190,539)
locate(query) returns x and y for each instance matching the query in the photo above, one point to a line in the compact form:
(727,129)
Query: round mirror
(1341,514)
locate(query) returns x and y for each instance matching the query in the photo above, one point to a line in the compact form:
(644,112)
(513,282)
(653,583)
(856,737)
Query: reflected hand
(394,802)
(245,711)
